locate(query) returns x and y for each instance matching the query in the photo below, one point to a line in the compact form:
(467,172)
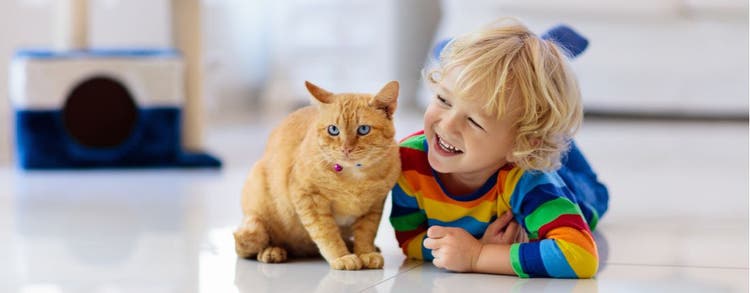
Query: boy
(496,146)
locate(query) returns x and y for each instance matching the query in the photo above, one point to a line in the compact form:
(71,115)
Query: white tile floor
(678,222)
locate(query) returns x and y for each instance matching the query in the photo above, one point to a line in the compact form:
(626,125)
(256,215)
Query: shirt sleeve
(561,244)
(409,221)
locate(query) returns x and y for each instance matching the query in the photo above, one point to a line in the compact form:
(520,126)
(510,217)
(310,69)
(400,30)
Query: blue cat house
(100,109)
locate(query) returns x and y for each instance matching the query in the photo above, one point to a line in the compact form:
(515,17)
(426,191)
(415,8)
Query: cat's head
(354,128)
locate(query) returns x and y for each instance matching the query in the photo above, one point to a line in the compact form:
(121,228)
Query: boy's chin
(439,165)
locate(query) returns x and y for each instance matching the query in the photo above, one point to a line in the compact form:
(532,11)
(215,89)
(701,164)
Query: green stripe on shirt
(548,212)
(515,260)
(408,222)
(415,142)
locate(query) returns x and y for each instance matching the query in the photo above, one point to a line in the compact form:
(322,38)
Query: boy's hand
(504,230)
(453,248)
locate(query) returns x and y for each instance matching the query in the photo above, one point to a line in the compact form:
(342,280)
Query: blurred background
(671,58)
(665,90)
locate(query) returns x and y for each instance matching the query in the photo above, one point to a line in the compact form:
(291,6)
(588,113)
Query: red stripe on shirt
(404,236)
(412,159)
(573,221)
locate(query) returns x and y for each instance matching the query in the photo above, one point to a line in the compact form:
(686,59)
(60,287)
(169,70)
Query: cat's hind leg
(251,237)
(272,254)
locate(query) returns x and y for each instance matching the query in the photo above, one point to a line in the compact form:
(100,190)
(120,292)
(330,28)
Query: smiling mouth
(447,147)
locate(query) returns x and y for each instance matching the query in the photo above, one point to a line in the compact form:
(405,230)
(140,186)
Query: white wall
(130,23)
(676,56)
(340,45)
(236,52)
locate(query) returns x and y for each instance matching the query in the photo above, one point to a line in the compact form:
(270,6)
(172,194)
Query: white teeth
(446,146)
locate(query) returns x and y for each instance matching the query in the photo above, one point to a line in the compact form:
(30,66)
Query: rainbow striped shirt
(560,240)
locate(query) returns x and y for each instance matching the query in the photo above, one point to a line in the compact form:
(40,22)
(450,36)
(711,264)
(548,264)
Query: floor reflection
(304,275)
(79,232)
(426,277)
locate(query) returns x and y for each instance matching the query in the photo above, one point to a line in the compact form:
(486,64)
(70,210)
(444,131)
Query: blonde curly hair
(506,62)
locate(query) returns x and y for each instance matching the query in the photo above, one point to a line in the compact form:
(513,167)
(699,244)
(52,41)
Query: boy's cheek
(430,116)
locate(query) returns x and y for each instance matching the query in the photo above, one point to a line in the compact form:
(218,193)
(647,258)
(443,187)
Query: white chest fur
(345,221)
(357,173)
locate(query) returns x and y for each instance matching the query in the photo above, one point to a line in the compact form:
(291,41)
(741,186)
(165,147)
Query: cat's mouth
(447,147)
(349,157)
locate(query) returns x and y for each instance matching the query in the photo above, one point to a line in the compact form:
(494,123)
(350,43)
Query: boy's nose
(450,123)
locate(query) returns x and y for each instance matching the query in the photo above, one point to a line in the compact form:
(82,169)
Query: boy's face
(463,139)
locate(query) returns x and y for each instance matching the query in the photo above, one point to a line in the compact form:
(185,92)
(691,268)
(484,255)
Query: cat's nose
(347,151)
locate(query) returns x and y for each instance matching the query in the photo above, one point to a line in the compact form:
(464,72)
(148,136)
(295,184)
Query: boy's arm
(409,222)
(562,245)
(504,259)
(562,252)
(457,250)
(494,259)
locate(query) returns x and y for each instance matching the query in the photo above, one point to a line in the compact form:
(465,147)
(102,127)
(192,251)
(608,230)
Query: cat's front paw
(349,262)
(372,260)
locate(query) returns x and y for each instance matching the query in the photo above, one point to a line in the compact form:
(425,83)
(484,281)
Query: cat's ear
(387,98)
(320,94)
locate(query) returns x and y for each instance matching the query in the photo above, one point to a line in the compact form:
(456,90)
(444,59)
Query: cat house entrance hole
(100,113)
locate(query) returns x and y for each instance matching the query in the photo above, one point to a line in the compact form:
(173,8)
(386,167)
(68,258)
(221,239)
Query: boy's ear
(318,93)
(387,98)
(535,142)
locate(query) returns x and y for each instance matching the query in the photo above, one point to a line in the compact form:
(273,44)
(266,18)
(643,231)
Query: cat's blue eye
(363,129)
(333,130)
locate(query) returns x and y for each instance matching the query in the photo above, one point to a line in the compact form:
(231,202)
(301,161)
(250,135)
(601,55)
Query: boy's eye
(442,100)
(475,124)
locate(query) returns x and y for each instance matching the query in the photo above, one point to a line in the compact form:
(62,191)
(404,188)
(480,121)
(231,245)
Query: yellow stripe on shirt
(583,263)
(414,248)
(441,211)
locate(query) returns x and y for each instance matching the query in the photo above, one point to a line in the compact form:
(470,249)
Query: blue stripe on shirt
(402,199)
(554,260)
(470,224)
(540,194)
(531,260)
(397,211)
(529,180)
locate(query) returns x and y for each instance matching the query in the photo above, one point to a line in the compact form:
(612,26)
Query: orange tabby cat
(322,182)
